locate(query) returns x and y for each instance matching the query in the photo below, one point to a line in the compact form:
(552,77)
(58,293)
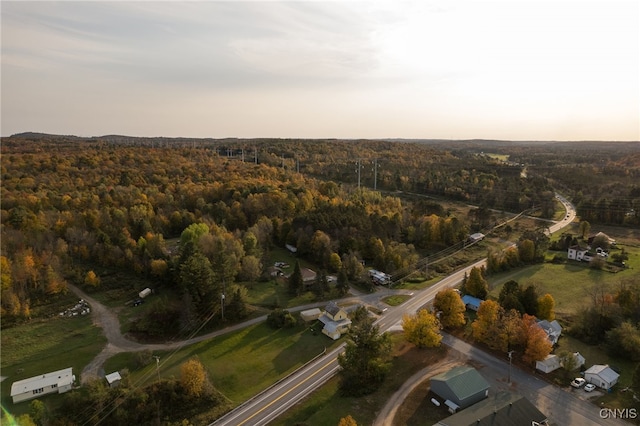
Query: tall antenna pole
(358,170)
(255,155)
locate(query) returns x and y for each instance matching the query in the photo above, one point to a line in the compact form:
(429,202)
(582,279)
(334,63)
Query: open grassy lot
(240,364)
(571,284)
(42,346)
(326,407)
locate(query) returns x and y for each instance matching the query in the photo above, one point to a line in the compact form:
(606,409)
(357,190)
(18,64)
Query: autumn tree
(451,308)
(193,377)
(487,316)
(537,344)
(365,360)
(352,266)
(422,329)
(91,279)
(321,248)
(476,285)
(546,307)
(335,263)
(250,268)
(347,421)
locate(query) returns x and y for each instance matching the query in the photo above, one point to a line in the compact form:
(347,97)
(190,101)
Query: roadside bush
(281,319)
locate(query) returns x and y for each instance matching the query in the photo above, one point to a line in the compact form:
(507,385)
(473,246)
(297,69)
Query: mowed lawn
(571,284)
(43,346)
(240,364)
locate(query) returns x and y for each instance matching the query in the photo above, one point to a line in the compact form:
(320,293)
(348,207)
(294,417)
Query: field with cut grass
(42,346)
(240,364)
(571,284)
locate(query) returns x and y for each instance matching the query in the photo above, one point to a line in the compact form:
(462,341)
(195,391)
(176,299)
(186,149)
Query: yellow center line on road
(287,392)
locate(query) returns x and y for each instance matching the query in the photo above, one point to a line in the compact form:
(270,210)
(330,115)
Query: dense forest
(179,210)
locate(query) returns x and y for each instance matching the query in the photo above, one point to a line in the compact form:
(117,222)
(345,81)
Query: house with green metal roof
(501,409)
(463,386)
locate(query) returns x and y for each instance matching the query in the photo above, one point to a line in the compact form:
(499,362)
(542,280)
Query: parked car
(138,302)
(589,387)
(578,382)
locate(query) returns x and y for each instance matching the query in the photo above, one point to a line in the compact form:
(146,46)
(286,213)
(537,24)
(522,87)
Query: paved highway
(274,401)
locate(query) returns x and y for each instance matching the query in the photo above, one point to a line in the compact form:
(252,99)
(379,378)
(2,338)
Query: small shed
(462,385)
(602,376)
(310,314)
(549,364)
(113,379)
(471,303)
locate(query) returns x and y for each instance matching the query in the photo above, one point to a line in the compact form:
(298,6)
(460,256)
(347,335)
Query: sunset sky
(452,69)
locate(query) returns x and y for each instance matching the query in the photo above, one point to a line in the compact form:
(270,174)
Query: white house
(549,364)
(335,320)
(59,381)
(576,253)
(602,376)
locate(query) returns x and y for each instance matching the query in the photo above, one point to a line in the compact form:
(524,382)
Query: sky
(449,69)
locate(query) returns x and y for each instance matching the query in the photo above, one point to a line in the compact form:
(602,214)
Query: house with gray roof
(553,330)
(335,320)
(462,385)
(602,376)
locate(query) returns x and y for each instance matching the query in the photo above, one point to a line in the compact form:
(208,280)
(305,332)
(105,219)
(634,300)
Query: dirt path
(117,343)
(104,318)
(388,413)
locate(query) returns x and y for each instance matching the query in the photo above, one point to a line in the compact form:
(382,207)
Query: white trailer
(144,293)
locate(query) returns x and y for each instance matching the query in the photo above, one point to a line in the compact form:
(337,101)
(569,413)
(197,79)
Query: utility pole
(222,305)
(358,170)
(375,174)
(157,366)
(255,155)
(222,297)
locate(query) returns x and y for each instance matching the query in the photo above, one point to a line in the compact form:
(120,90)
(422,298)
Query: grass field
(240,364)
(42,346)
